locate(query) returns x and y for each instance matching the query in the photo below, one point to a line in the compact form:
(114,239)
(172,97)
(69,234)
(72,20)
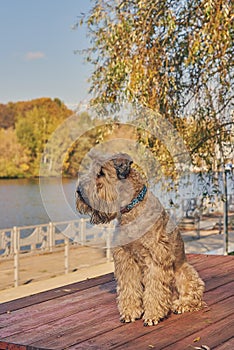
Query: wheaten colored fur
(153,276)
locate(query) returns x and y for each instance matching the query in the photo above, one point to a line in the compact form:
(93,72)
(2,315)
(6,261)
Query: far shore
(67,176)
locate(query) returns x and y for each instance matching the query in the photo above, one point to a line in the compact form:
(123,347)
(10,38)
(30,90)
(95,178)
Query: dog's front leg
(157,296)
(129,286)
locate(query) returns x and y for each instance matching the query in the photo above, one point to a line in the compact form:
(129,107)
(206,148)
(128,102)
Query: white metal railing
(46,237)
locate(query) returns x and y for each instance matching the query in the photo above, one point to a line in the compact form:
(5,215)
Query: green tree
(172,56)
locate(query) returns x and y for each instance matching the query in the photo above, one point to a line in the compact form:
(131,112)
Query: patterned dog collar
(135,201)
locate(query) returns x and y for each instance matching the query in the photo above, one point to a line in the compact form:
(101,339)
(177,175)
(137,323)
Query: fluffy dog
(153,276)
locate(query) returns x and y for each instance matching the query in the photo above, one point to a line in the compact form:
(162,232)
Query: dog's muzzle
(122,167)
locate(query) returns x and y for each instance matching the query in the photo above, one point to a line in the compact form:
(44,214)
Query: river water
(22,202)
(29,202)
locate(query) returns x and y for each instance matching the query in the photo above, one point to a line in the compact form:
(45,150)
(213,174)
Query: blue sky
(37,50)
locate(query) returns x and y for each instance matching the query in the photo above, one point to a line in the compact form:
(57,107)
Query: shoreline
(67,176)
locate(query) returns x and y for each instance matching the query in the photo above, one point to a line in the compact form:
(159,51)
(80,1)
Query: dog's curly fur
(153,276)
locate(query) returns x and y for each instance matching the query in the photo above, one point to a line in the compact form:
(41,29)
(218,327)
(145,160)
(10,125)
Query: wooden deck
(84,316)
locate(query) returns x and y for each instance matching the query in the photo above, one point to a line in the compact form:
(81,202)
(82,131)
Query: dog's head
(107,187)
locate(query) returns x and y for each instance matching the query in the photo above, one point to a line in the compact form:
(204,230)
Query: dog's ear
(122,163)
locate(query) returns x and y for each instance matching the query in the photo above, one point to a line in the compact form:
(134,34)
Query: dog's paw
(134,316)
(127,319)
(180,308)
(154,321)
(151,322)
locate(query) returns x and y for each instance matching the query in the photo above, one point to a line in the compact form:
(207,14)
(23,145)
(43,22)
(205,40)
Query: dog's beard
(81,205)
(98,210)
(104,201)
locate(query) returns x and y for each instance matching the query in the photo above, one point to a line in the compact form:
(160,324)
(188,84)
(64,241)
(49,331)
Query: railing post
(108,230)
(66,254)
(225,214)
(33,245)
(11,243)
(82,231)
(16,255)
(76,230)
(51,236)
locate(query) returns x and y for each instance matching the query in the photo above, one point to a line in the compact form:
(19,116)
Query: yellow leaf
(196,339)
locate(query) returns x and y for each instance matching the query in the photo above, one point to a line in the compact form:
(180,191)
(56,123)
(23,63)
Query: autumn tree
(14,158)
(7,115)
(32,130)
(172,56)
(34,127)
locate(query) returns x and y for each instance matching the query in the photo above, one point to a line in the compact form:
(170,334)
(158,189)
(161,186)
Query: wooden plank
(218,270)
(87,334)
(210,267)
(202,262)
(79,299)
(7,346)
(195,258)
(105,320)
(211,336)
(220,293)
(227,345)
(50,311)
(54,293)
(135,336)
(73,328)
(214,282)
(222,273)
(11,346)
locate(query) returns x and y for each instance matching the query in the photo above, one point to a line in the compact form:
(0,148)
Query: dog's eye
(100,174)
